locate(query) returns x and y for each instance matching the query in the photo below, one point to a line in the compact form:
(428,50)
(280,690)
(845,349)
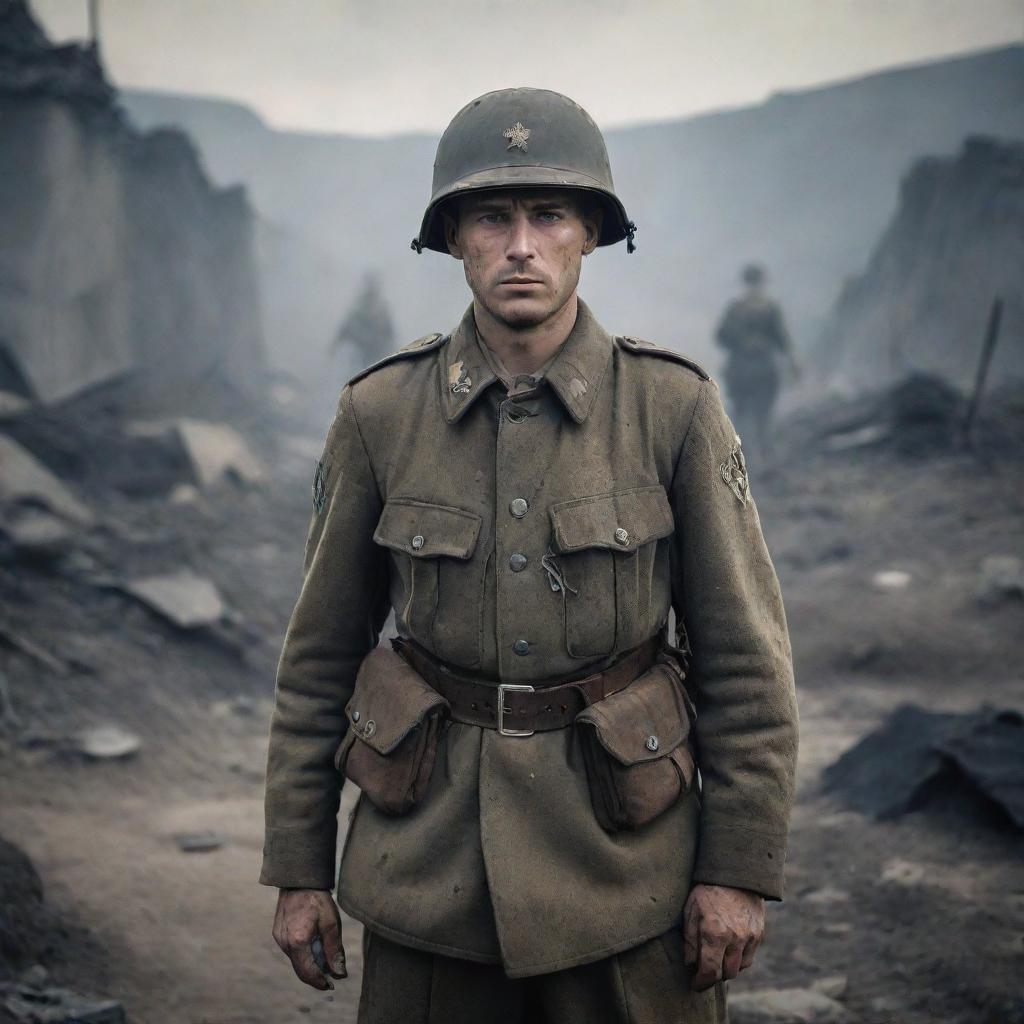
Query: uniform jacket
(503,860)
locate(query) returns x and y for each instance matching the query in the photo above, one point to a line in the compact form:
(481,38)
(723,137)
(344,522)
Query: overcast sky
(385,66)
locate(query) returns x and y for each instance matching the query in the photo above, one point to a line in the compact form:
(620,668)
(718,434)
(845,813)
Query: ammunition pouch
(395,720)
(637,749)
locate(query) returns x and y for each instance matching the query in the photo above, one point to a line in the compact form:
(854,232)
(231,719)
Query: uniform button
(517,562)
(519,507)
(521,647)
(355,716)
(417,542)
(652,743)
(622,536)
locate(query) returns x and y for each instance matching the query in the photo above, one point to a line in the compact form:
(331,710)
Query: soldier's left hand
(722,928)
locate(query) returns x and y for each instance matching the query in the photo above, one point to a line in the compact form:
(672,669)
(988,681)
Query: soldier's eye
(492,218)
(550,216)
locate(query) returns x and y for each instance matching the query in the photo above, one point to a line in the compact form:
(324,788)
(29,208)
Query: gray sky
(384,66)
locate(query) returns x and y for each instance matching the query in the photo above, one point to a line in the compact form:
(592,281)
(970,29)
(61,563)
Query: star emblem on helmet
(517,135)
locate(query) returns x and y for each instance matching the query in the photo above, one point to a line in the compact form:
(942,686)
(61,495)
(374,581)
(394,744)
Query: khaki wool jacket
(625,468)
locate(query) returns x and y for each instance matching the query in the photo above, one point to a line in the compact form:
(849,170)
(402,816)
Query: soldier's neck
(525,351)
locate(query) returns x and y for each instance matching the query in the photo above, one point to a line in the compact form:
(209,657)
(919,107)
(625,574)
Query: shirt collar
(575,374)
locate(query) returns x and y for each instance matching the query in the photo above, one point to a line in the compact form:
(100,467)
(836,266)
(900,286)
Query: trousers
(649,984)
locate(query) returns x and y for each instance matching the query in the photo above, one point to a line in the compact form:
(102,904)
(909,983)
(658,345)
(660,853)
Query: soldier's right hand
(303,916)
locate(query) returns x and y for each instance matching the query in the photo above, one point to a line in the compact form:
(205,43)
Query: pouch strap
(551,705)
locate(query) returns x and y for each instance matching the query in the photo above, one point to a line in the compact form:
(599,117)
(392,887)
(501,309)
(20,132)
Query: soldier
(753,332)
(533,497)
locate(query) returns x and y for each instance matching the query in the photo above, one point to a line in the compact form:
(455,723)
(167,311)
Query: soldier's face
(522,251)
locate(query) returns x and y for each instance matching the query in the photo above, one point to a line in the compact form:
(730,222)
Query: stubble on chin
(521,319)
(514,317)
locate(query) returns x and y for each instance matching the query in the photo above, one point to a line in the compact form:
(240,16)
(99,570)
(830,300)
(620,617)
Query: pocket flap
(424,530)
(620,521)
(389,700)
(645,721)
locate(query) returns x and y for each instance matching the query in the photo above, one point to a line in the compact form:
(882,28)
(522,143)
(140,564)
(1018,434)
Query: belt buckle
(515,688)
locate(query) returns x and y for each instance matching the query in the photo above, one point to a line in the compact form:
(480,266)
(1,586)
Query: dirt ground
(924,916)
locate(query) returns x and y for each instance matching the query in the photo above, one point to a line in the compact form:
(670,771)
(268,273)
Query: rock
(186,600)
(1000,578)
(217,451)
(891,579)
(36,532)
(833,985)
(239,705)
(35,977)
(211,451)
(863,437)
(837,928)
(28,1004)
(107,742)
(884,1005)
(967,764)
(826,895)
(785,1006)
(12,405)
(199,842)
(25,480)
(185,494)
(24,917)
(902,872)
(988,755)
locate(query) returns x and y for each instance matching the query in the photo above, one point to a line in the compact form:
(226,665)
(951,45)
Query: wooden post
(94,24)
(991,337)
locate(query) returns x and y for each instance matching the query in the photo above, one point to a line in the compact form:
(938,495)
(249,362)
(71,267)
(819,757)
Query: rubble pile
(30,66)
(31,933)
(134,645)
(95,213)
(955,244)
(969,764)
(917,416)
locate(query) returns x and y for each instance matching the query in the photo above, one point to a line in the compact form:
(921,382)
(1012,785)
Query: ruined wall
(116,255)
(956,242)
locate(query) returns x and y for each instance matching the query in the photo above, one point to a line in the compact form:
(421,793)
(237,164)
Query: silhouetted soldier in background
(368,325)
(753,332)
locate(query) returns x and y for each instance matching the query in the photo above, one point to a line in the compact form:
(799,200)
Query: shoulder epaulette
(427,343)
(648,348)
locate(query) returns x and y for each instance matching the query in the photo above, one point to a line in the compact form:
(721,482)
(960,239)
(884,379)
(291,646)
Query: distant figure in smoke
(753,332)
(368,325)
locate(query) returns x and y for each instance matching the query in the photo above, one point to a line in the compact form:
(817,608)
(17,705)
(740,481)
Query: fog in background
(204,230)
(804,182)
(378,68)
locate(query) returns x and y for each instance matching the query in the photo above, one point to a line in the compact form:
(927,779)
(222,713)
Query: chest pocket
(606,548)
(435,593)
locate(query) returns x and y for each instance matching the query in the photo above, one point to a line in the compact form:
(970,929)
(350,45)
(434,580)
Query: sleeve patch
(320,485)
(734,472)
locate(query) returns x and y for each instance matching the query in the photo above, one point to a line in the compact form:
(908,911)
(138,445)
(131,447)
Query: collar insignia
(458,380)
(517,136)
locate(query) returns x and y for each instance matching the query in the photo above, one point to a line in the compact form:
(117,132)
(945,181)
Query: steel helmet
(523,138)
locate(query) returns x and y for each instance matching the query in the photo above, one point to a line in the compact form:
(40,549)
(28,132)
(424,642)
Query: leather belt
(517,709)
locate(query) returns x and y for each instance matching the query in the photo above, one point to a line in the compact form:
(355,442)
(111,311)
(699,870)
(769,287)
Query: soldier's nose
(520,241)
